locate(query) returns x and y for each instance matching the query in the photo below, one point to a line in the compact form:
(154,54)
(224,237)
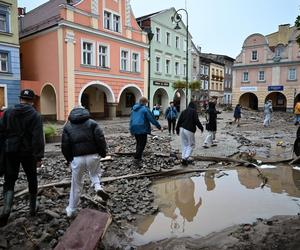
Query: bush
(50,130)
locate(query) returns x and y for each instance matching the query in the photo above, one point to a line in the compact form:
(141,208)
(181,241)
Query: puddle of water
(201,205)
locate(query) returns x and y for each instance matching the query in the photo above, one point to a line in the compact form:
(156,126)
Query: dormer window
(112,21)
(254,56)
(278,51)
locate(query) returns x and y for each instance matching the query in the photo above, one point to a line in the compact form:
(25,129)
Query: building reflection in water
(201,205)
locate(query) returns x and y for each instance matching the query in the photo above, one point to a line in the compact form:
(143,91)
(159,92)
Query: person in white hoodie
(267,113)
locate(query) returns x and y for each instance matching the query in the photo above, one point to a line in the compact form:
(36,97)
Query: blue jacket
(171,113)
(140,119)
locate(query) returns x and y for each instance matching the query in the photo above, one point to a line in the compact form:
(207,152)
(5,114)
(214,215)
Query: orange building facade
(89,52)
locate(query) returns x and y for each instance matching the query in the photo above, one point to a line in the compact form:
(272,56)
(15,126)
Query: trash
(280,143)
(296,168)
(267,166)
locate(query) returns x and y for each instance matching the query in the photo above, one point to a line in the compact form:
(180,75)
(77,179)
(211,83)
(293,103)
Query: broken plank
(86,231)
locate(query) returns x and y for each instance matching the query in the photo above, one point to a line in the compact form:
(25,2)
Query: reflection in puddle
(201,205)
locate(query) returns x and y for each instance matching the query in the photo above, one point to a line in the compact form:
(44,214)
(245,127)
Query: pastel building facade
(88,52)
(167,58)
(9,54)
(267,69)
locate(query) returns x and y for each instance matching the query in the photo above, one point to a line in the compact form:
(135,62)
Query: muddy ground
(132,198)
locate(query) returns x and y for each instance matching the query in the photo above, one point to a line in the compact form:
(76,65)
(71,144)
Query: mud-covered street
(183,211)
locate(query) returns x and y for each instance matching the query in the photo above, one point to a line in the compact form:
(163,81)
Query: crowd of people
(83,143)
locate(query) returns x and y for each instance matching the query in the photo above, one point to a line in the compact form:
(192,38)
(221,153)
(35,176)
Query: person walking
(140,127)
(82,142)
(186,128)
(171,116)
(297,113)
(211,126)
(237,114)
(24,144)
(267,113)
(156,111)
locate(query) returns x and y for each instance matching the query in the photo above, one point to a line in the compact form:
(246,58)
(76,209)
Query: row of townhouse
(267,69)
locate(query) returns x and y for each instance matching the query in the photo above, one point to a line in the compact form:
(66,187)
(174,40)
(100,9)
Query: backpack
(156,112)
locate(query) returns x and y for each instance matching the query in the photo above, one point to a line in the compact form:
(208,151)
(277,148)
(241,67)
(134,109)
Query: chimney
(21,12)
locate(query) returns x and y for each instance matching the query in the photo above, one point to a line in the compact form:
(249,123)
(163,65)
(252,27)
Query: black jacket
(82,136)
(25,122)
(212,117)
(189,119)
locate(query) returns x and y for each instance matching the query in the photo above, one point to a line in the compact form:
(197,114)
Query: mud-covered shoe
(184,162)
(70,212)
(103,194)
(205,146)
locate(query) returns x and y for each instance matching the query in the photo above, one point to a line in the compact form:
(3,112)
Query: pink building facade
(267,69)
(88,52)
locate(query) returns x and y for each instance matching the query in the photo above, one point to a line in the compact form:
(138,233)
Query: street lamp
(150,37)
(177,18)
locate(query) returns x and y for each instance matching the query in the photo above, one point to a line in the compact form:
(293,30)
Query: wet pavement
(201,205)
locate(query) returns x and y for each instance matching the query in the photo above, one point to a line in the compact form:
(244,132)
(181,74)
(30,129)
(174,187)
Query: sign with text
(157,83)
(275,88)
(248,88)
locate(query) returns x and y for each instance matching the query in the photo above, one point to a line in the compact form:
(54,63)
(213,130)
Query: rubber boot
(33,205)
(8,202)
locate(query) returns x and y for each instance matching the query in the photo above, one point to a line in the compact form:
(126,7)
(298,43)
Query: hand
(38,164)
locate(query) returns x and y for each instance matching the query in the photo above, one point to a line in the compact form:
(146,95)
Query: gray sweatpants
(187,143)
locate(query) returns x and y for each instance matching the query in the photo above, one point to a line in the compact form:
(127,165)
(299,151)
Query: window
(168,63)
(168,39)
(177,68)
(229,71)
(292,74)
(201,69)
(254,55)
(3,62)
(125,60)
(107,21)
(202,84)
(158,34)
(112,21)
(184,69)
(103,56)
(261,75)
(135,62)
(177,42)
(184,45)
(130,100)
(205,70)
(229,84)
(278,51)
(4,19)
(206,85)
(245,77)
(158,64)
(87,53)
(116,19)
(221,73)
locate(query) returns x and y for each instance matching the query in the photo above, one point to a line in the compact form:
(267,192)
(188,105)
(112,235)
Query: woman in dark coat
(237,114)
(211,126)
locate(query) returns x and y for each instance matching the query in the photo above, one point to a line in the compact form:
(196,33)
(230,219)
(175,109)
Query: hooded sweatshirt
(82,136)
(140,120)
(189,119)
(24,122)
(212,117)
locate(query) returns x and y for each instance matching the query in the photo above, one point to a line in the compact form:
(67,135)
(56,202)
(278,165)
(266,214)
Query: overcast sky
(219,26)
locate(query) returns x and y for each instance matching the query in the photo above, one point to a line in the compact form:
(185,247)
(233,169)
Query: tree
(194,85)
(297,24)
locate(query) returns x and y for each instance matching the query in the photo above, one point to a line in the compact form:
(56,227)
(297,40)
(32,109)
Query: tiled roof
(40,18)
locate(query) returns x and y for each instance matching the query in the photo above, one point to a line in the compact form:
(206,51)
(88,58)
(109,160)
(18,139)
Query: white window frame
(157,69)
(184,45)
(128,60)
(5,94)
(168,40)
(169,71)
(252,54)
(206,69)
(107,54)
(245,80)
(259,76)
(7,62)
(6,10)
(206,84)
(184,69)
(177,42)
(109,19)
(289,74)
(202,69)
(138,62)
(114,23)
(93,61)
(158,34)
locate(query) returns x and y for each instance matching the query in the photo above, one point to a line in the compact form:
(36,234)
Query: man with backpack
(24,144)
(171,116)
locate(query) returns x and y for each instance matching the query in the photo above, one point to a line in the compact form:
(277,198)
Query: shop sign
(248,88)
(275,88)
(164,84)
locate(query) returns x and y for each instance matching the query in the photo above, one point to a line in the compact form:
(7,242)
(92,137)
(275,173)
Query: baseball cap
(27,94)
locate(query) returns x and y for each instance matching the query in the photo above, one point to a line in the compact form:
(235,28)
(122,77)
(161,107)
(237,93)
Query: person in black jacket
(186,127)
(82,142)
(24,144)
(211,126)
